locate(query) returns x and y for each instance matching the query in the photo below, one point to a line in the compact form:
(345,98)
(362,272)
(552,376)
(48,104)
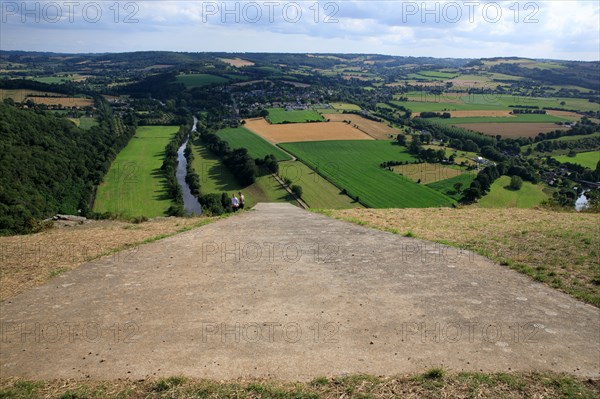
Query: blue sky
(559,29)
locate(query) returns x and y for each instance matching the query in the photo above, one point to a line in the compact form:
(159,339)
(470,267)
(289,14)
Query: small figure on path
(235,203)
(242,200)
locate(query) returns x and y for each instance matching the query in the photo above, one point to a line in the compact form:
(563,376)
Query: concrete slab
(281,292)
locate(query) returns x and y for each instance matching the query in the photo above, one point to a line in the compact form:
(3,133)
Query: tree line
(169,169)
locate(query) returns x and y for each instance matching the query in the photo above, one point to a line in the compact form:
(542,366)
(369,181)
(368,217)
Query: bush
(515,183)
(176,210)
(297,190)
(212,204)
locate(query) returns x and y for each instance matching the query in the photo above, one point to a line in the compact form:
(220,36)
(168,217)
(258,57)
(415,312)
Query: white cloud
(564,28)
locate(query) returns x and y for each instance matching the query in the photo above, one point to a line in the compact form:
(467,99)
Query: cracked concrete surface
(283,293)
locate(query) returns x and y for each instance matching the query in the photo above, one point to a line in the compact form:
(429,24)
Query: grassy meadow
(280,115)
(353,165)
(257,146)
(529,196)
(216,178)
(316,191)
(586,159)
(134,184)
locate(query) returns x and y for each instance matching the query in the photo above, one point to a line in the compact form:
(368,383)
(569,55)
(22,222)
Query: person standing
(235,203)
(242,200)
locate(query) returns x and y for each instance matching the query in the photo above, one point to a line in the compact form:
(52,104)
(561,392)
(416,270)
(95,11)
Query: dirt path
(289,190)
(284,293)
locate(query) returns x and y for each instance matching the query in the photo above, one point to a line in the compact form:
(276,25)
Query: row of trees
(521,111)
(587,143)
(429,114)
(583,128)
(169,169)
(447,133)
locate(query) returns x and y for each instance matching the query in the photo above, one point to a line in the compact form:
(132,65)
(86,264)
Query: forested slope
(50,166)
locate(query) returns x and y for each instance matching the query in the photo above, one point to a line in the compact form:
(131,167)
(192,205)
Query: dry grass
(30,260)
(377,130)
(512,130)
(558,248)
(63,101)
(434,383)
(297,132)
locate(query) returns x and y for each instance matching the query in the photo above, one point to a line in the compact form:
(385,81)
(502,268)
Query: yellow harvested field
(377,130)
(20,95)
(481,112)
(512,130)
(237,62)
(63,101)
(567,114)
(296,132)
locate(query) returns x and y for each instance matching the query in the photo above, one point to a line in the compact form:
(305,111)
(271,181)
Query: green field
(354,165)
(431,106)
(529,196)
(134,185)
(586,159)
(458,101)
(316,191)
(345,107)
(447,186)
(280,115)
(216,178)
(86,122)
(53,79)
(432,75)
(200,79)
(257,147)
(521,118)
(439,74)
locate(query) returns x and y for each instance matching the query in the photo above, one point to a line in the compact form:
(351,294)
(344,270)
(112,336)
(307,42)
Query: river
(190,203)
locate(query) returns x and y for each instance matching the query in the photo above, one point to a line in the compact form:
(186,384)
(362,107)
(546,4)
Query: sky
(551,29)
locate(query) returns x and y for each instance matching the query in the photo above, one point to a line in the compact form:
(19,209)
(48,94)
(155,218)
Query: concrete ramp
(281,292)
